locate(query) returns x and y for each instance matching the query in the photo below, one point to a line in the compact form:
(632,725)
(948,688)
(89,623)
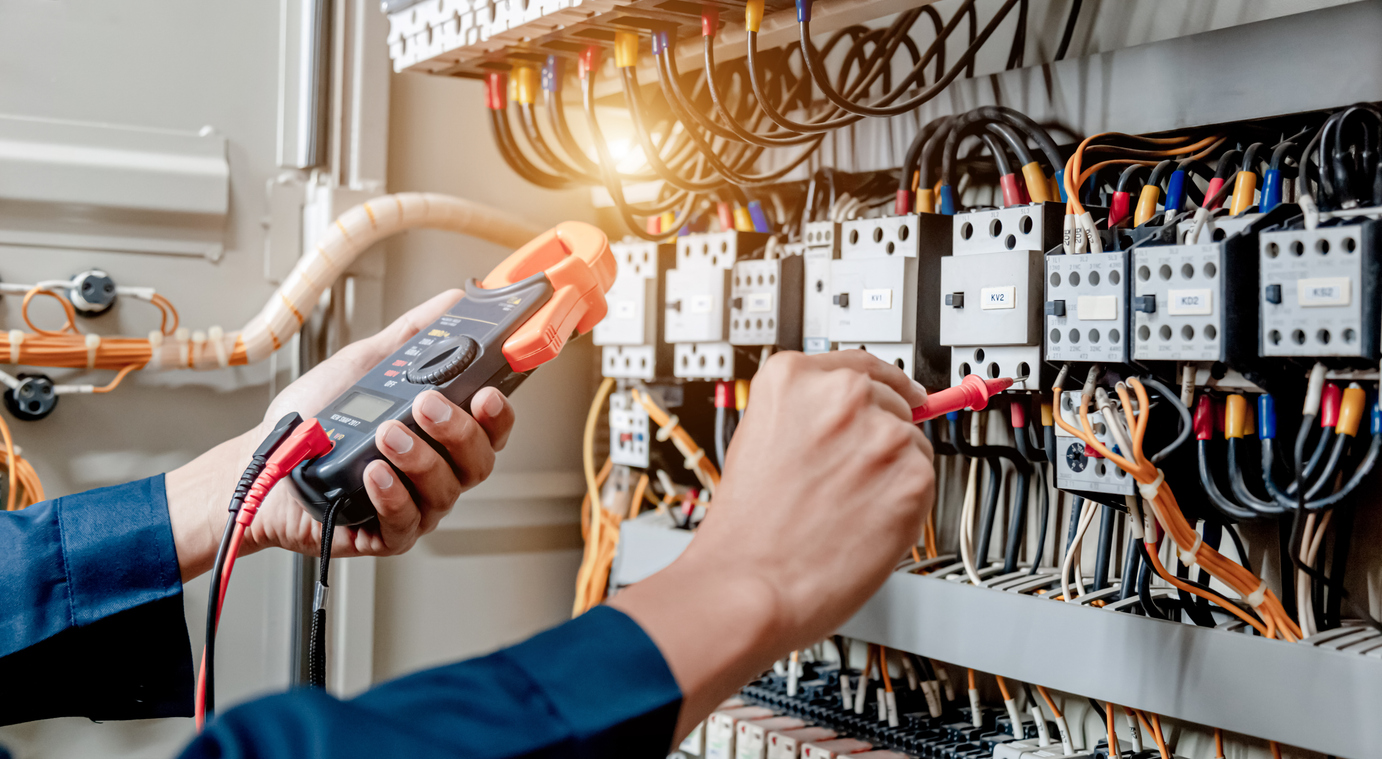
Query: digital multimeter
(506,326)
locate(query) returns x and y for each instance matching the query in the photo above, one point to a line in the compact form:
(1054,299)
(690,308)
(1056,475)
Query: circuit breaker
(1079,468)
(632,345)
(1319,290)
(874,287)
(991,292)
(765,305)
(1087,307)
(1196,302)
(696,302)
(821,247)
(628,431)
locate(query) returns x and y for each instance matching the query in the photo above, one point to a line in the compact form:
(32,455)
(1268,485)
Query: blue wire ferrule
(1376,424)
(551,74)
(760,219)
(952,416)
(1266,417)
(947,200)
(1175,192)
(1060,183)
(661,41)
(1271,190)
(803,11)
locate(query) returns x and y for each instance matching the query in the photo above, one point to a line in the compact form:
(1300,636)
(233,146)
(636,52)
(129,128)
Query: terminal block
(696,298)
(1081,470)
(991,292)
(877,283)
(1196,302)
(707,361)
(1087,307)
(821,246)
(630,336)
(1318,292)
(765,305)
(629,431)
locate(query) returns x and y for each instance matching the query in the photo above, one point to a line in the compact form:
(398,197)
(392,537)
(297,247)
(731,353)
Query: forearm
(714,628)
(198,492)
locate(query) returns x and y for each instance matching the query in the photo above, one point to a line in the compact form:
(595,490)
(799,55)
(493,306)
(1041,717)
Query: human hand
(827,483)
(198,492)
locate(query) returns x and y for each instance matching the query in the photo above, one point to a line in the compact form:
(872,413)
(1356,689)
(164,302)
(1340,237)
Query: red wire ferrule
(1011,195)
(710,21)
(723,395)
(1204,418)
(1330,400)
(1018,412)
(902,205)
(589,61)
(1119,208)
(496,90)
(1214,185)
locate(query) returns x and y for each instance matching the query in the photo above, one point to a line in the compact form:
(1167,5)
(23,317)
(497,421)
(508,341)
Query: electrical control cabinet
(1318,292)
(628,431)
(1081,470)
(991,292)
(1087,307)
(706,361)
(766,302)
(821,247)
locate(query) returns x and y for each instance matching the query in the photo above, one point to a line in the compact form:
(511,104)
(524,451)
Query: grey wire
(1185,423)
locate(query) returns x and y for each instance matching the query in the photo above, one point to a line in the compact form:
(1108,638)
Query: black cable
(1230,510)
(1144,586)
(316,653)
(1017,523)
(1343,542)
(989,512)
(258,460)
(1045,520)
(1131,561)
(1070,21)
(1186,424)
(1103,556)
(734,127)
(1239,486)
(1073,528)
(1243,557)
(1327,474)
(1018,52)
(938,446)
(508,150)
(629,75)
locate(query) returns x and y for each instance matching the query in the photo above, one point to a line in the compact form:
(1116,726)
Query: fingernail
(434,407)
(381,477)
(396,440)
(493,405)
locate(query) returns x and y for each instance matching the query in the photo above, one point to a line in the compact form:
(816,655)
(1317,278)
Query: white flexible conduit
(350,235)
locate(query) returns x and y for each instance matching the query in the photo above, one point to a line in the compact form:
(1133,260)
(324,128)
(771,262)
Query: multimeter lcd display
(364,406)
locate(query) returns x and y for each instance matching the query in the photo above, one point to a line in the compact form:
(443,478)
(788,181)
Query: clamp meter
(504,327)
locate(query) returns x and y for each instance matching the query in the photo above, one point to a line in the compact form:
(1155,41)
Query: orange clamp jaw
(576,259)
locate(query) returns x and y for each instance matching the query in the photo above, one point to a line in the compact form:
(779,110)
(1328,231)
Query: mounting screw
(33,399)
(92,292)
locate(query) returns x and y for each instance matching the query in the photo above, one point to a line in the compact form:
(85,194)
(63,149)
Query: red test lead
(972,393)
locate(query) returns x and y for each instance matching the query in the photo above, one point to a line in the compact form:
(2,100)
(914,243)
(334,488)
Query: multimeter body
(503,328)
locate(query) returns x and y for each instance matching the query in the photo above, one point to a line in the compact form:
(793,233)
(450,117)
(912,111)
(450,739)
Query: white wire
(1086,519)
(971,498)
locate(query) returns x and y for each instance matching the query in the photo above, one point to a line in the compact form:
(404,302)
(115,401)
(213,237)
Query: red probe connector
(972,393)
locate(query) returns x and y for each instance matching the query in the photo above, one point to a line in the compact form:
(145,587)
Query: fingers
(886,398)
(436,485)
(399,517)
(911,392)
(495,415)
(465,441)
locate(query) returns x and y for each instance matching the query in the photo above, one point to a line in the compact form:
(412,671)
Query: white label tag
(749,745)
(625,309)
(1190,302)
(719,739)
(1097,308)
(700,304)
(759,303)
(1324,291)
(997,297)
(878,300)
(692,743)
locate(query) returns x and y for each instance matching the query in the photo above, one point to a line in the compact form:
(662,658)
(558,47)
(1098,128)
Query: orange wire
(883,668)
(1050,703)
(10,492)
(1276,749)
(67,327)
(973,682)
(1003,688)
(1218,743)
(1160,739)
(114,383)
(1114,749)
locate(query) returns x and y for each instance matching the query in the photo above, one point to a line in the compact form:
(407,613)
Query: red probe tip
(972,393)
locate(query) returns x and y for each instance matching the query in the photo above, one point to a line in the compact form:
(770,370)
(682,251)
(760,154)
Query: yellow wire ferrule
(1243,191)
(1048,416)
(1235,412)
(625,49)
(525,84)
(741,394)
(1038,188)
(1351,410)
(743,222)
(669,221)
(926,201)
(1146,205)
(753,15)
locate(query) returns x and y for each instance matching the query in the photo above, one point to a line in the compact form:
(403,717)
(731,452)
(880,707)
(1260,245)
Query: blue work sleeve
(91,618)
(596,686)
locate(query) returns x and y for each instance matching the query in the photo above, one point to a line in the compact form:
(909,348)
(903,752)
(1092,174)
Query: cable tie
(1256,598)
(93,344)
(1187,555)
(16,340)
(198,347)
(184,350)
(217,336)
(665,431)
(1149,489)
(155,350)
(693,460)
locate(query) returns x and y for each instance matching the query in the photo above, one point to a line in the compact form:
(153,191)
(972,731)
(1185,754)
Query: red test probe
(972,393)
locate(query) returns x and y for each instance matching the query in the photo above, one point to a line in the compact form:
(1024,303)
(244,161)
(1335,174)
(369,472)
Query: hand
(199,492)
(827,484)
